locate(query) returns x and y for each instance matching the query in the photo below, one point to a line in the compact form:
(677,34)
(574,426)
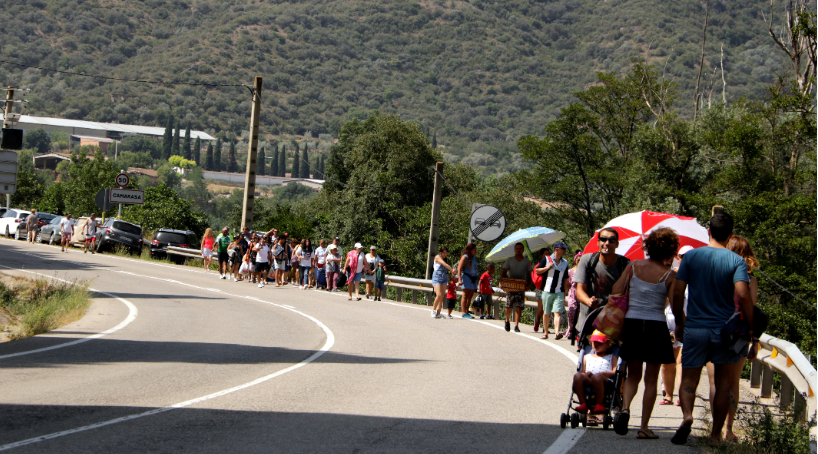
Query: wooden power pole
(252,152)
(436,198)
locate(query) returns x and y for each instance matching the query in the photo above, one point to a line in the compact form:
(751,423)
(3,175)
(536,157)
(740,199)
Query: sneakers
(440,316)
(516,329)
(434,314)
(489,317)
(467,316)
(235,279)
(450,316)
(223,277)
(508,326)
(482,317)
(261,285)
(300,287)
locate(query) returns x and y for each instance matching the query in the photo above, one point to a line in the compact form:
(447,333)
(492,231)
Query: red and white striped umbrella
(634,227)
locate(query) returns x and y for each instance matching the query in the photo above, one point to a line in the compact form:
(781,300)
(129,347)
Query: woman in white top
(645,337)
(332,267)
(318,262)
(304,255)
(372,259)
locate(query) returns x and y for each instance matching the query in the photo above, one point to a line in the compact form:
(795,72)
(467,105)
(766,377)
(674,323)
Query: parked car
(170,237)
(50,233)
(11,220)
(118,233)
(22,230)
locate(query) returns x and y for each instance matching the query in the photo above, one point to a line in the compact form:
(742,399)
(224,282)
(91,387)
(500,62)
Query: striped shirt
(555,276)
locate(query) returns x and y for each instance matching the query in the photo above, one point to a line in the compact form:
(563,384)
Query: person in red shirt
(486,292)
(451,295)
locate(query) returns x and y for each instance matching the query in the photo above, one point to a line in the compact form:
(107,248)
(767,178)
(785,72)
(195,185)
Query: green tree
(261,162)
(187,153)
(168,176)
(282,162)
(305,164)
(209,159)
(163,208)
(232,165)
(197,151)
(142,144)
(176,148)
(296,170)
(29,191)
(53,200)
(85,178)
(274,162)
(217,155)
(167,139)
(37,140)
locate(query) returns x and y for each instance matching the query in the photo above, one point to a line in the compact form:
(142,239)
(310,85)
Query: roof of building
(63,156)
(98,139)
(132,129)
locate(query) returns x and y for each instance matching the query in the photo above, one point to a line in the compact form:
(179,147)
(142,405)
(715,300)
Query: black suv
(119,233)
(177,238)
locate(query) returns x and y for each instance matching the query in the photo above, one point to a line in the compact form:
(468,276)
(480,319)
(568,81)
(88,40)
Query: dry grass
(36,306)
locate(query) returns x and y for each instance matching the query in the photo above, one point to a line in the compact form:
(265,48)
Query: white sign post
(8,171)
(487,223)
(126,196)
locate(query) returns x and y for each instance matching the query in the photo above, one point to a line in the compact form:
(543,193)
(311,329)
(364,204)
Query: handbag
(612,316)
(736,332)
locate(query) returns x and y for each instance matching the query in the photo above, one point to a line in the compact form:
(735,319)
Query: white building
(88,129)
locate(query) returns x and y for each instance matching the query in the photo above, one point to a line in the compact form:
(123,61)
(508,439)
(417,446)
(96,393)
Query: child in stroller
(601,390)
(597,368)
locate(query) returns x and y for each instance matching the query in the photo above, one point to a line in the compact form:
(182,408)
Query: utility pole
(436,198)
(252,151)
(7,113)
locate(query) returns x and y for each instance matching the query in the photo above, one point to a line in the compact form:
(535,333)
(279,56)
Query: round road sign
(487,223)
(123,180)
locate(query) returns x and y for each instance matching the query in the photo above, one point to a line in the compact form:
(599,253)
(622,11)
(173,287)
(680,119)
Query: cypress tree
(217,155)
(197,151)
(434,139)
(167,139)
(186,147)
(175,149)
(209,160)
(274,162)
(261,162)
(321,167)
(282,162)
(305,166)
(296,170)
(232,165)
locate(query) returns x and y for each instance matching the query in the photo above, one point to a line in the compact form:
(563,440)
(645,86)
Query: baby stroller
(612,400)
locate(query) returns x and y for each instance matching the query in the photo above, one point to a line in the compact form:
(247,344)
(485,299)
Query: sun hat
(359,245)
(333,247)
(372,247)
(598,336)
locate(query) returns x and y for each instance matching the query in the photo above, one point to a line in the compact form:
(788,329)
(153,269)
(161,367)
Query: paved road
(199,364)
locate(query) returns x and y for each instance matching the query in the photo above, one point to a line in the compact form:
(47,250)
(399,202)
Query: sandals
(621,423)
(646,435)
(544,336)
(681,435)
(666,401)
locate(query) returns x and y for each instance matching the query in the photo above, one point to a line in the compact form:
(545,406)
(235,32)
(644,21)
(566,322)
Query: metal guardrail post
(766,381)
(414,296)
(786,393)
(400,295)
(755,374)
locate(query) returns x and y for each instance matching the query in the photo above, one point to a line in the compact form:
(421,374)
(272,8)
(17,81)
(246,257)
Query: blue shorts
(440,277)
(703,345)
(469,283)
(380,285)
(357,277)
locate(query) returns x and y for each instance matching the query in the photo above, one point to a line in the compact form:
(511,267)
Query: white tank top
(596,364)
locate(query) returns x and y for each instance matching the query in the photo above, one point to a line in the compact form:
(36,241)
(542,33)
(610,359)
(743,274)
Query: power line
(783,288)
(453,189)
(155,82)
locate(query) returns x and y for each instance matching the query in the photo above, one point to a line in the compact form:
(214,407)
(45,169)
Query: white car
(10,220)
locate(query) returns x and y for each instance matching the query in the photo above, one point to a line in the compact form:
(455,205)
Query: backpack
(621,263)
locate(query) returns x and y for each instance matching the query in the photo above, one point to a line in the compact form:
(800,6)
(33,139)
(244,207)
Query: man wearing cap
(222,243)
(554,283)
(66,230)
(90,231)
(337,242)
(354,266)
(332,268)
(597,273)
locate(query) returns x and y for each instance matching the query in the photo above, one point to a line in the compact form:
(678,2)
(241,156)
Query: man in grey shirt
(32,225)
(517,267)
(597,273)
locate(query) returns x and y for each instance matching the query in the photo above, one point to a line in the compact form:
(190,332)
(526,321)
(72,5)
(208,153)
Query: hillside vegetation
(475,75)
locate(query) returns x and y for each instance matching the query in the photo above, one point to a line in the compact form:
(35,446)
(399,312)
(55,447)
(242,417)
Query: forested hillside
(475,75)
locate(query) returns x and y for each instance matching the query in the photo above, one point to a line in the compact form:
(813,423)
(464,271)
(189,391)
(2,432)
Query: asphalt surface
(199,364)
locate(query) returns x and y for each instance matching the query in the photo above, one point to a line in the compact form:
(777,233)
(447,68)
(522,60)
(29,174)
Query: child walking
(380,280)
(486,293)
(597,368)
(451,296)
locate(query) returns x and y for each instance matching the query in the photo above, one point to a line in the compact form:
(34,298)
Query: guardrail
(185,252)
(417,286)
(798,377)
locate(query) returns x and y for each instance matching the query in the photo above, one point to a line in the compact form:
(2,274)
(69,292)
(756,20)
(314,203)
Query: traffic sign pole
(121,182)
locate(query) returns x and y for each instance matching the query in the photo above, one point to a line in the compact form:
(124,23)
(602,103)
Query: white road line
(132,313)
(327,345)
(565,441)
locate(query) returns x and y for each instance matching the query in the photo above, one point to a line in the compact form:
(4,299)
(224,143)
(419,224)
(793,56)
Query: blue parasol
(535,238)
